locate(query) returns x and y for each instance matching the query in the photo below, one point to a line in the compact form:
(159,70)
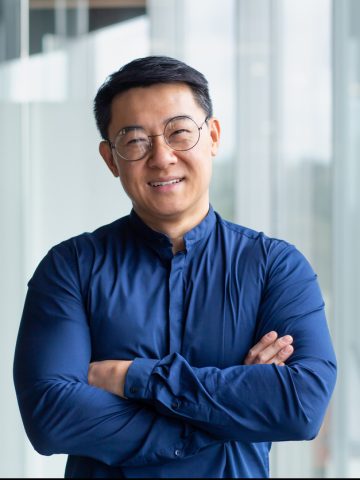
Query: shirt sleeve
(255,403)
(61,412)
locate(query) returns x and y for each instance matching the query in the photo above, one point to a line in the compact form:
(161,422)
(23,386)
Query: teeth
(162,184)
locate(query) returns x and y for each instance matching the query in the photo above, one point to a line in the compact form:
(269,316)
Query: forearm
(252,403)
(248,403)
(61,412)
(77,419)
(110,375)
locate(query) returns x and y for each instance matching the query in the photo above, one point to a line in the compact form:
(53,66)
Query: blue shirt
(192,409)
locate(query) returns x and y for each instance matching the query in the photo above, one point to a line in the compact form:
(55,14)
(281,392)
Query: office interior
(285,82)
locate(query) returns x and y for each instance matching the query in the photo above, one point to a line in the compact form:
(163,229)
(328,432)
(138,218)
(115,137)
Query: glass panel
(346,442)
(304,187)
(209,47)
(256,107)
(53,185)
(269,68)
(9,29)
(54,22)
(12,285)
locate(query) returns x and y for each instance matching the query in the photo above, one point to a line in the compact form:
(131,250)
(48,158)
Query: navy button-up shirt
(187,320)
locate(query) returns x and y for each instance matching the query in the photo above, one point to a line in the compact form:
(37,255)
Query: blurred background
(285,81)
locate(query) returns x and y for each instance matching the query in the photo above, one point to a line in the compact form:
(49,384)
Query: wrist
(123,368)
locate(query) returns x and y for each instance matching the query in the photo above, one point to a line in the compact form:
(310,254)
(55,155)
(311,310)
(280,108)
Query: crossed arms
(111,374)
(174,405)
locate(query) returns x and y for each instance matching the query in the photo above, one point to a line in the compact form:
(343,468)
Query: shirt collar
(161,242)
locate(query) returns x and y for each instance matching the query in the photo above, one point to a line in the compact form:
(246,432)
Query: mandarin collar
(161,243)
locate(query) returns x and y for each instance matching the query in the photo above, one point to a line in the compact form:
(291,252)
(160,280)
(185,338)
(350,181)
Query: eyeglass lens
(180,133)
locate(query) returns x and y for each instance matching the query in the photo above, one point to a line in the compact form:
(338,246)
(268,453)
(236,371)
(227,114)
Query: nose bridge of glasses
(151,143)
(160,152)
(150,137)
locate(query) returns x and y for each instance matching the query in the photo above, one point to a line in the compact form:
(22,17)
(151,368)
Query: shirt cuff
(137,378)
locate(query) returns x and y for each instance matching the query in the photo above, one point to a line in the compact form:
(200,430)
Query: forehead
(148,105)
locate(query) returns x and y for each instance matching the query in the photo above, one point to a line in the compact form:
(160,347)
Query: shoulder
(76,257)
(277,256)
(94,241)
(242,235)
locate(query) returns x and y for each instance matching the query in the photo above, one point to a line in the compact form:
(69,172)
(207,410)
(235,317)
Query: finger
(268,353)
(276,351)
(265,341)
(283,355)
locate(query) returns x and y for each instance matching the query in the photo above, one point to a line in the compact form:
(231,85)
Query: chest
(203,307)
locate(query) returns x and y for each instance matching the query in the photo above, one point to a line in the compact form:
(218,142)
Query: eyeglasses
(180,133)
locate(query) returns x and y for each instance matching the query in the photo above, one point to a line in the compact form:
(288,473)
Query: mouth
(165,183)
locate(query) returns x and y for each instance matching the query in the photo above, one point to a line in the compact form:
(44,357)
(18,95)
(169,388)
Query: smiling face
(166,186)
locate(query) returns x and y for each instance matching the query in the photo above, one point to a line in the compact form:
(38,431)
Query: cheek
(130,179)
(125,182)
(204,172)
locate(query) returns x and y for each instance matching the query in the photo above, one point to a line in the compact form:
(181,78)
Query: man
(156,345)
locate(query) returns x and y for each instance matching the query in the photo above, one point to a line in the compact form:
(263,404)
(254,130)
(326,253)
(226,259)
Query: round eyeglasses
(180,133)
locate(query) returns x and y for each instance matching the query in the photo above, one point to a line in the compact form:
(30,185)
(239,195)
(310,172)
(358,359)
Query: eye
(133,138)
(179,131)
(136,141)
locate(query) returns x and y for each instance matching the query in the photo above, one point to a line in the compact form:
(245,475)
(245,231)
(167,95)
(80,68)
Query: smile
(163,184)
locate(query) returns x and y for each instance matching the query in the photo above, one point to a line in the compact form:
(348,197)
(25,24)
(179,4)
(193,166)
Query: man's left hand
(270,349)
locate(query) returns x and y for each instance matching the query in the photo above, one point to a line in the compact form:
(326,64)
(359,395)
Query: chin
(168,212)
(166,208)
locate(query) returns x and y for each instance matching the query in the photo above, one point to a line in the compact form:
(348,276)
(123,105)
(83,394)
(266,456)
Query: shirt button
(134,389)
(175,404)
(177,453)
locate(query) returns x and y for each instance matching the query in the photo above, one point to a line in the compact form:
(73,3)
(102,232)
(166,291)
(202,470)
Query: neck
(178,244)
(175,228)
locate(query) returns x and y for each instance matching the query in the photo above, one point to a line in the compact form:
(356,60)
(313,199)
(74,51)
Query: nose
(161,155)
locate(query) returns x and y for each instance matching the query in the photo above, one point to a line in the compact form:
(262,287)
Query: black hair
(144,72)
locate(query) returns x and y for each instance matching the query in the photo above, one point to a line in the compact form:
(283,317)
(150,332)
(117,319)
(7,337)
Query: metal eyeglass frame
(113,144)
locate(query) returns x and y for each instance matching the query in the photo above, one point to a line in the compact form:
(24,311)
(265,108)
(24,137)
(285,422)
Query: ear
(107,155)
(214,127)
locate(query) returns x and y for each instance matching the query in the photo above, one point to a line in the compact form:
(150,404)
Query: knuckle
(251,353)
(261,358)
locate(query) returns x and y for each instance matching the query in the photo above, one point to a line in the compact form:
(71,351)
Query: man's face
(150,108)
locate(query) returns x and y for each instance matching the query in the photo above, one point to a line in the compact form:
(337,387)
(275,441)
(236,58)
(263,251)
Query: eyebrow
(128,128)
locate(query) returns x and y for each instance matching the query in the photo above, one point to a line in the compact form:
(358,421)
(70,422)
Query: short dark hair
(144,72)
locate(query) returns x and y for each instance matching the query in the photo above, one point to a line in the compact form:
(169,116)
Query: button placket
(176,302)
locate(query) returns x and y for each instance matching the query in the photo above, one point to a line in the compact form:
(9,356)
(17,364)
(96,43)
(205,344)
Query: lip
(163,182)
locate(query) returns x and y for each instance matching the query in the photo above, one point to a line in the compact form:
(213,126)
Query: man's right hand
(270,349)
